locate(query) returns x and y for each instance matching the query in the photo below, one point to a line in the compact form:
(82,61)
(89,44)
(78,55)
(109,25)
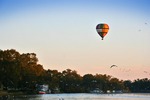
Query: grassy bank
(4,92)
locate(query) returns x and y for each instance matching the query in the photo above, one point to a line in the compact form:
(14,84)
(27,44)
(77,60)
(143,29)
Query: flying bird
(113,66)
(145,72)
(145,23)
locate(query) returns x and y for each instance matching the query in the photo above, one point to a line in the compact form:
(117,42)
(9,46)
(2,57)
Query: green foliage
(22,71)
(70,81)
(18,70)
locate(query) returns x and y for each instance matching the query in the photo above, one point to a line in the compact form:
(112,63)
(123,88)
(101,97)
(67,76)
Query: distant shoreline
(4,92)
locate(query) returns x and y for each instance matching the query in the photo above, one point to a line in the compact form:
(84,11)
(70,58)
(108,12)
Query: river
(81,96)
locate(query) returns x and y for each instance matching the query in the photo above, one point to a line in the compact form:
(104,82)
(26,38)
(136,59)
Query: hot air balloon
(102,29)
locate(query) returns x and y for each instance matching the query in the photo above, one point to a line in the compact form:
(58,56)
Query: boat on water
(41,92)
(42,89)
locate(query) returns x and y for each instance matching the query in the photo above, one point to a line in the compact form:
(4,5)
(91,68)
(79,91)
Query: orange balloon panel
(102,29)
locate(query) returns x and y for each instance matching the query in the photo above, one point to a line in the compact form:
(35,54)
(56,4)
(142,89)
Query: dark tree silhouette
(22,71)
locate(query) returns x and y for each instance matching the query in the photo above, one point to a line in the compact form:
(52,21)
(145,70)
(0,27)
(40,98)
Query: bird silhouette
(145,23)
(113,66)
(145,72)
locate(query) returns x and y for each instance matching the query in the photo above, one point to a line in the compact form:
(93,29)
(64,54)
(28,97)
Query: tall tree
(30,69)
(88,80)
(70,81)
(9,68)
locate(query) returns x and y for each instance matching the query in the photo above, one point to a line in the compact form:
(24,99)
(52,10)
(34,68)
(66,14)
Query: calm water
(81,96)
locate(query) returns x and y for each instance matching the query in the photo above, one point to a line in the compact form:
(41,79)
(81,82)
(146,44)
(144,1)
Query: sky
(63,34)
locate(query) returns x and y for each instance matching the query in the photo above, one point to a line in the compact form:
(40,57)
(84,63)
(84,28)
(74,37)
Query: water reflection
(79,96)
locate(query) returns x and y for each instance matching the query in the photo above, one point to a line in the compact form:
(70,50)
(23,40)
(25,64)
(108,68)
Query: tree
(70,81)
(30,70)
(127,85)
(55,79)
(99,81)
(115,84)
(9,68)
(88,80)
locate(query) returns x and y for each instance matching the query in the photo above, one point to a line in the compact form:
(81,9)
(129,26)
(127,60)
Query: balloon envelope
(102,29)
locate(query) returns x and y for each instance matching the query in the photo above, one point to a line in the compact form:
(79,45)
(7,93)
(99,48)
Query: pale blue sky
(62,33)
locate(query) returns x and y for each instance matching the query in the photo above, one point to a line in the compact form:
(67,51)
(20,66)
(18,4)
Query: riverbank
(81,96)
(4,92)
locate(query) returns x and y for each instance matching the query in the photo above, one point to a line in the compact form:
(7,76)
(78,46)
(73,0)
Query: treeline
(22,72)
